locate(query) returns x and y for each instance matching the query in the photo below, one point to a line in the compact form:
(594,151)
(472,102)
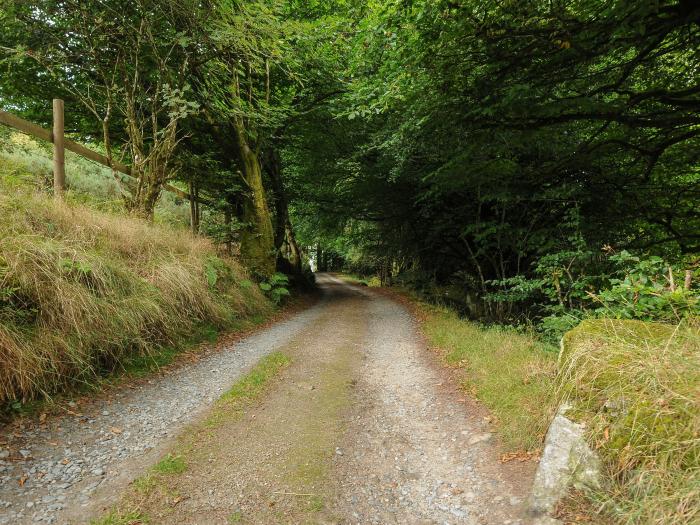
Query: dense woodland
(526,161)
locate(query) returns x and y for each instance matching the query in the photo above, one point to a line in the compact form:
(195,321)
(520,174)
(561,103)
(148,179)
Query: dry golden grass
(637,386)
(81,290)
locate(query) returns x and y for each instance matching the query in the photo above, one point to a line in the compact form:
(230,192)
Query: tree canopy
(507,148)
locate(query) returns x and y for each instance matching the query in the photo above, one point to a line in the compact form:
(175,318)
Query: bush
(644,288)
(575,285)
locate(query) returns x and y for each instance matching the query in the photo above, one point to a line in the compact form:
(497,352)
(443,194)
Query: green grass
(170,464)
(316,504)
(115,517)
(637,387)
(248,388)
(145,484)
(512,373)
(156,477)
(28,162)
(254,382)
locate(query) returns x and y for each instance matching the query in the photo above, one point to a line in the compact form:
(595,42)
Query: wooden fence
(61,143)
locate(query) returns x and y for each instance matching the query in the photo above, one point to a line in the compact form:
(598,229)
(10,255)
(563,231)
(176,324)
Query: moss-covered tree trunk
(284,232)
(151,150)
(294,251)
(142,202)
(257,238)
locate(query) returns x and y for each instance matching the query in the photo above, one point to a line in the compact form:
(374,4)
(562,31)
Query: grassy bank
(512,373)
(83,292)
(27,163)
(636,385)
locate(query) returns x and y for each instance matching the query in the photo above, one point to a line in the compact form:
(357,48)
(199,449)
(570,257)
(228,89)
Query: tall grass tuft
(81,291)
(637,386)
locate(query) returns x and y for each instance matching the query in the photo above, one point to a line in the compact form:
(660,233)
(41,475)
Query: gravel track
(65,462)
(412,449)
(416,453)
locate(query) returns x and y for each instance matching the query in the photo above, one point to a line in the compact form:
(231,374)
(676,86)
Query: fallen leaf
(42,417)
(22,480)
(65,461)
(116,430)
(520,456)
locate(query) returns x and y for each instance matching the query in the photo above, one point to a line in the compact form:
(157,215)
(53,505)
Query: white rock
(566,460)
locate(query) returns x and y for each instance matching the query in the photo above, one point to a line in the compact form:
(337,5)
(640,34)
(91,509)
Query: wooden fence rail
(60,143)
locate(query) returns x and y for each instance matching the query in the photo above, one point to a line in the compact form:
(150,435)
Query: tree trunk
(257,238)
(227,221)
(283,226)
(294,252)
(194,208)
(143,202)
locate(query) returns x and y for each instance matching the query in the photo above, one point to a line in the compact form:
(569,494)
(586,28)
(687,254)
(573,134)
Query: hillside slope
(82,290)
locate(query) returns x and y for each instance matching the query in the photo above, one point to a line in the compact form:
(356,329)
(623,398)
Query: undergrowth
(83,292)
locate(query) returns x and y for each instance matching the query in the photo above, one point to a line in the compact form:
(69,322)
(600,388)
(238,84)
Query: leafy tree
(126,62)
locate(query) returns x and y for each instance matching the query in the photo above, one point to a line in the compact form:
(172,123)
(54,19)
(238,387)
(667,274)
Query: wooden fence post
(59,152)
(57,137)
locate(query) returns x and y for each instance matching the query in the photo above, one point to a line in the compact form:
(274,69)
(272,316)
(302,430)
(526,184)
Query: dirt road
(361,426)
